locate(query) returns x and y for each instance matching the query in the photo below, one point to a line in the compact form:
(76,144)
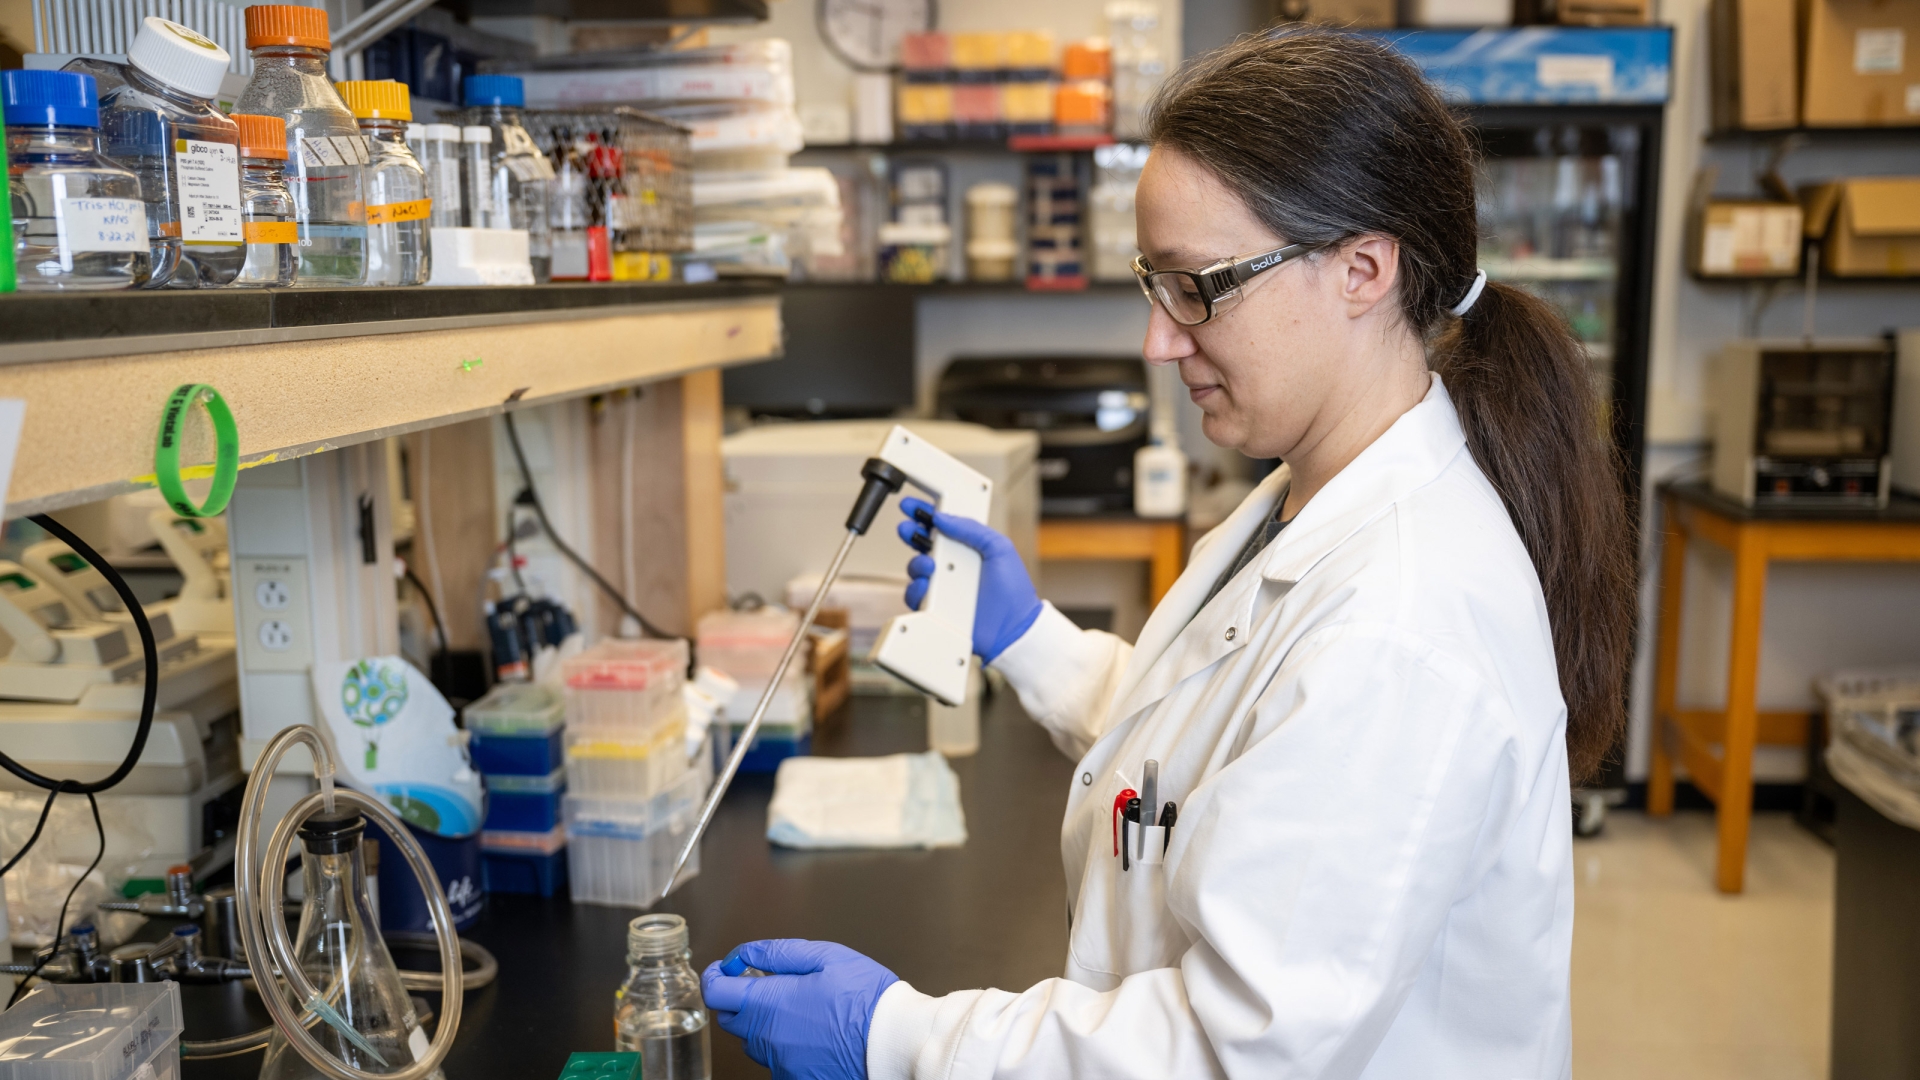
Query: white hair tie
(1460,309)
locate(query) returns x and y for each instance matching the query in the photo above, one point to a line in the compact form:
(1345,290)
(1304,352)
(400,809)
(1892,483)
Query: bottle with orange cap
(327,154)
(398,205)
(273,237)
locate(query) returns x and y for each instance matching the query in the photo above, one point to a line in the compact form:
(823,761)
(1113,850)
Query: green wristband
(166,451)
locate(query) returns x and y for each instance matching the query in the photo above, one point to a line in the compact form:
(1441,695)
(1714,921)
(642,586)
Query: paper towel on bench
(901,801)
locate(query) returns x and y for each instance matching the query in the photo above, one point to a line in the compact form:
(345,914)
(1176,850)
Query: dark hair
(1328,136)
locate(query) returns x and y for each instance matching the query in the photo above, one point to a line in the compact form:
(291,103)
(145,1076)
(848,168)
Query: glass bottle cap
(178,57)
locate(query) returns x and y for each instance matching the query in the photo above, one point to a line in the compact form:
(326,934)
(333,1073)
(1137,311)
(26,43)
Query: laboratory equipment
(1055,183)
(476,184)
(1804,422)
(1906,414)
(1092,414)
(198,548)
(161,123)
(626,718)
(266,206)
(518,174)
(78,219)
(440,156)
(658,1012)
(621,851)
(786,482)
(104,1031)
(367,1021)
(991,248)
(398,200)
(1139,63)
(326,153)
(932,648)
(622,190)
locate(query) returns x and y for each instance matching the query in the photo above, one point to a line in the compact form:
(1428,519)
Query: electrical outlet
(276,630)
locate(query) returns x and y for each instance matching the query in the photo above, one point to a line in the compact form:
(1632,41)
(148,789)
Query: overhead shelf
(312,370)
(1542,269)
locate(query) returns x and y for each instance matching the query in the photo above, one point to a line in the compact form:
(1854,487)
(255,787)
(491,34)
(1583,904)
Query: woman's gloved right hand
(1007,604)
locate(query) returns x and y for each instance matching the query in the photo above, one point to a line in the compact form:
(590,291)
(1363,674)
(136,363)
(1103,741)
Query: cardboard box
(1460,12)
(1747,239)
(1603,12)
(1359,13)
(1862,64)
(1870,225)
(1755,52)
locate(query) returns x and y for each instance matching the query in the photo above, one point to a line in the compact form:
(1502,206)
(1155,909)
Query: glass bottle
(273,238)
(343,955)
(78,219)
(659,1012)
(161,123)
(518,172)
(326,154)
(398,205)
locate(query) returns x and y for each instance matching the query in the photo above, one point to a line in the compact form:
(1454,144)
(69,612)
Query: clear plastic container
(161,123)
(569,215)
(440,156)
(524,843)
(528,785)
(516,710)
(633,768)
(476,169)
(94,1031)
(398,201)
(266,207)
(620,851)
(659,1012)
(327,155)
(745,644)
(79,222)
(625,689)
(518,173)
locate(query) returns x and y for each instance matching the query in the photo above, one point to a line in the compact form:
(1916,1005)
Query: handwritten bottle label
(102,225)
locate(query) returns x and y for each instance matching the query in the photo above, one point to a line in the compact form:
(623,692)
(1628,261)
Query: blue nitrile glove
(808,1017)
(1007,605)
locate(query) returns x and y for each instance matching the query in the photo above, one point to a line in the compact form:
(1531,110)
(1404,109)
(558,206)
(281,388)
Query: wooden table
(1716,745)
(1162,544)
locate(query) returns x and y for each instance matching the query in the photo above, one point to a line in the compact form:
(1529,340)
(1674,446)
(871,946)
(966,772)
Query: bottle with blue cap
(160,122)
(79,222)
(520,176)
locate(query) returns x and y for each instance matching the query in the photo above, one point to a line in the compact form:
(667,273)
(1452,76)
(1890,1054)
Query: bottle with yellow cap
(273,237)
(327,155)
(398,205)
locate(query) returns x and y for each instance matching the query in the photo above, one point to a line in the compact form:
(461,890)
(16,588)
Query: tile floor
(1672,979)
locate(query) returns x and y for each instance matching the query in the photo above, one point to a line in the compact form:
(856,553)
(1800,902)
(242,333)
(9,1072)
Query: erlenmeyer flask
(344,957)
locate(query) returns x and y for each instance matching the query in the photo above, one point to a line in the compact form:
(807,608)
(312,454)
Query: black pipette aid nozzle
(882,480)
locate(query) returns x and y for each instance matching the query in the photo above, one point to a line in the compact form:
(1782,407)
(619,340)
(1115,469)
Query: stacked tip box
(518,744)
(631,798)
(747,645)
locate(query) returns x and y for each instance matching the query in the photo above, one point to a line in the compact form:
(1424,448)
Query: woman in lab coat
(1368,692)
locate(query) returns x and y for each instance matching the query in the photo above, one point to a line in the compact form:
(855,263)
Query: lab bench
(991,913)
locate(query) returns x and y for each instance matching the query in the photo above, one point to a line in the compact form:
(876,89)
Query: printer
(1091,413)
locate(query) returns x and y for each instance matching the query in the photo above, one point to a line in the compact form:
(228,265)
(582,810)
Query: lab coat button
(1229,633)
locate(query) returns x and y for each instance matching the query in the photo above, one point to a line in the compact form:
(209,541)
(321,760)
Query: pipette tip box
(94,1031)
(601,1067)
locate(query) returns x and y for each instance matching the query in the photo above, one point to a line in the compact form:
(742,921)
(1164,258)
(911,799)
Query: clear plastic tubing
(442,162)
(78,219)
(476,173)
(326,153)
(161,123)
(398,204)
(273,237)
(659,1012)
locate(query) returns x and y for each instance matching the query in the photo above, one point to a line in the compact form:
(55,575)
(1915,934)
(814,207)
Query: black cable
(60,924)
(439,627)
(540,511)
(148,697)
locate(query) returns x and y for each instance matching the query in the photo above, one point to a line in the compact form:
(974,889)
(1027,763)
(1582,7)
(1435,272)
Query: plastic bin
(746,644)
(526,874)
(516,730)
(93,1031)
(620,851)
(525,803)
(507,842)
(626,690)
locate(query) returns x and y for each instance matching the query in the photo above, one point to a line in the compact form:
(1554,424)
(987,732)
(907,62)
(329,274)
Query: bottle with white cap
(441,158)
(161,123)
(477,178)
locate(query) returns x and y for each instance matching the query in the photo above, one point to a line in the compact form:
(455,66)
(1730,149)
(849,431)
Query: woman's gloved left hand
(808,1017)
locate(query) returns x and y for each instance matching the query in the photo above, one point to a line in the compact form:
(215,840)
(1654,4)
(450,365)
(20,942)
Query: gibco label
(209,191)
(102,225)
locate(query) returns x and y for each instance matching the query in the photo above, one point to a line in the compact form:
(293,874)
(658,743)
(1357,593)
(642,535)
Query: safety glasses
(1195,296)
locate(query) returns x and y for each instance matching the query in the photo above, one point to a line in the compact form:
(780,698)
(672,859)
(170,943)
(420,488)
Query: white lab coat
(1371,871)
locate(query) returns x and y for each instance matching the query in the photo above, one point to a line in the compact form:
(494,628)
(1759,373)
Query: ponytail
(1325,137)
(1524,391)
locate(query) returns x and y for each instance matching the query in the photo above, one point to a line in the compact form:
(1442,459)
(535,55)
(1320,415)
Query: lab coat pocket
(1123,925)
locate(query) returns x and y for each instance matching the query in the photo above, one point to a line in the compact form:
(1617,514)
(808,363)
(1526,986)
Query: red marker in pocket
(1119,804)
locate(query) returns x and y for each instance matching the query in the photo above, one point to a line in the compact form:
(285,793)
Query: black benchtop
(991,913)
(1900,509)
(27,318)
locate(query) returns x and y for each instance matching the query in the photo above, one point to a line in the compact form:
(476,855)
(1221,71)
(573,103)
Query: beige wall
(16,24)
